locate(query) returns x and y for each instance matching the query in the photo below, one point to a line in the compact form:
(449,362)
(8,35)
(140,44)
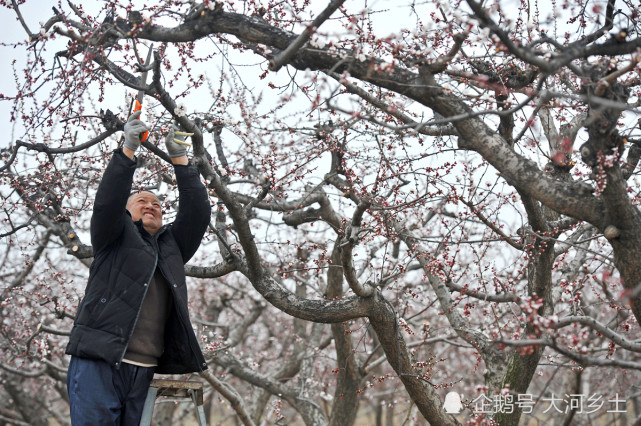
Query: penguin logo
(452,403)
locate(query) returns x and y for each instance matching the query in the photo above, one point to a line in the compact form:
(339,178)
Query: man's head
(146,206)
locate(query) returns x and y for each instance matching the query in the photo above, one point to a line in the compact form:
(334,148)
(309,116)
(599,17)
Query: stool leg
(148,411)
(200,410)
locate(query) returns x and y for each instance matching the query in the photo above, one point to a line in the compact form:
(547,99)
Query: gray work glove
(175,142)
(133,128)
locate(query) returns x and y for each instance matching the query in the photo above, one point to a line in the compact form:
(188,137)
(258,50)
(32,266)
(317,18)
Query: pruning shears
(141,92)
(140,97)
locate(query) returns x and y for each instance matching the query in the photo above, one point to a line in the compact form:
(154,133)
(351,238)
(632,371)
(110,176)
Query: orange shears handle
(138,107)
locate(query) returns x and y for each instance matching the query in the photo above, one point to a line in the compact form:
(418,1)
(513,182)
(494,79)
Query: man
(133,320)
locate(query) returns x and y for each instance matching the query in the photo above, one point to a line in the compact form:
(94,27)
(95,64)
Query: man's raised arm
(194,210)
(108,216)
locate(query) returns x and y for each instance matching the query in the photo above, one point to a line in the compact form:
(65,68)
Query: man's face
(146,206)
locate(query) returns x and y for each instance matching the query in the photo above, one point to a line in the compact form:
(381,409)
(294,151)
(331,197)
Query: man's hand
(175,142)
(133,129)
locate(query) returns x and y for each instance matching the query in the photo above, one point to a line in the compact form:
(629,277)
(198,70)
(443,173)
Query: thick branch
(363,290)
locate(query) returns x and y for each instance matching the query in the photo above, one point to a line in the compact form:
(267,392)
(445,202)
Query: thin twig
(284,56)
(230,395)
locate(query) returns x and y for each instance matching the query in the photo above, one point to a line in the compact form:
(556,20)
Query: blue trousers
(100,394)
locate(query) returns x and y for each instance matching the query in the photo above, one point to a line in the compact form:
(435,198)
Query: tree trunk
(346,399)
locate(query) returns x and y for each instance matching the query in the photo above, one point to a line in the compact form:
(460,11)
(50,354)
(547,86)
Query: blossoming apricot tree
(410,198)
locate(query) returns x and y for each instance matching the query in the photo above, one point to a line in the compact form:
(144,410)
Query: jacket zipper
(153,271)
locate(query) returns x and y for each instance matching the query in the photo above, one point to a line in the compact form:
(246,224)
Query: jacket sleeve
(194,211)
(109,213)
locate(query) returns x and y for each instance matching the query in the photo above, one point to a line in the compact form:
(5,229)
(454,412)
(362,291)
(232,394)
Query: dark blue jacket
(125,258)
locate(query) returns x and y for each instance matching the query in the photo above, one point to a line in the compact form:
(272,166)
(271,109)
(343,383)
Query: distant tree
(410,199)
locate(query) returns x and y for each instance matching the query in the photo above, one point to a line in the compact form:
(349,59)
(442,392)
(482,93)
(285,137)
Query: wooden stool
(176,389)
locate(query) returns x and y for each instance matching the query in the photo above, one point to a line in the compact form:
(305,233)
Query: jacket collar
(143,231)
